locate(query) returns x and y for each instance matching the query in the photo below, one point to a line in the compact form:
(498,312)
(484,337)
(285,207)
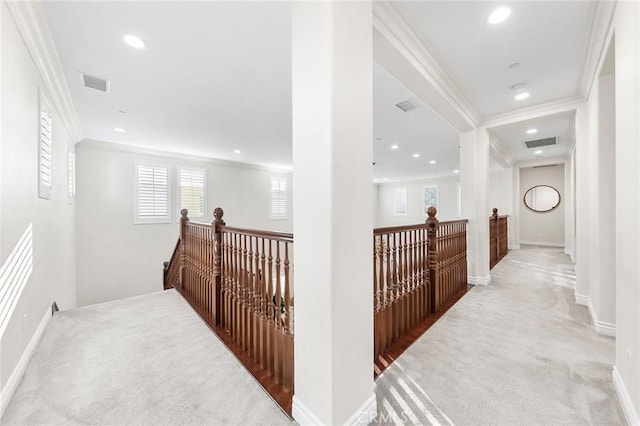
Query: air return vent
(407,106)
(547,165)
(95,83)
(541,142)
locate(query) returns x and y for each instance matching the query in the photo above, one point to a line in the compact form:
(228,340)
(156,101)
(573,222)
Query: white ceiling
(216,76)
(513,136)
(547,38)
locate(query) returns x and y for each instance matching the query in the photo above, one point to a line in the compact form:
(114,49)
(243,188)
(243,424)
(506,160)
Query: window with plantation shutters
(152,194)
(192,185)
(278,198)
(71,175)
(45,143)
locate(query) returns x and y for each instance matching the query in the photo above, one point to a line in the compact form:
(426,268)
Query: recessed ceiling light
(513,66)
(499,15)
(394,147)
(416,155)
(538,152)
(432,162)
(119,130)
(532,131)
(456,171)
(135,42)
(236,151)
(519,87)
(521,96)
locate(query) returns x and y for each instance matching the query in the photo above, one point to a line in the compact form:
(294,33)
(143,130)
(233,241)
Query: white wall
(501,191)
(627,94)
(53,277)
(542,228)
(118,259)
(447,201)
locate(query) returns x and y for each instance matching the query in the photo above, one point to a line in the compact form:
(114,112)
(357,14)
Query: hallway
(519,351)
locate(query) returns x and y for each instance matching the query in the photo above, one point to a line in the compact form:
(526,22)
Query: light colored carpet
(516,352)
(146,360)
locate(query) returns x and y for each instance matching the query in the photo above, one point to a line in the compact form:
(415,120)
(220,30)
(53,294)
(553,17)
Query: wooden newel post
(432,257)
(494,216)
(218,223)
(184,213)
(494,243)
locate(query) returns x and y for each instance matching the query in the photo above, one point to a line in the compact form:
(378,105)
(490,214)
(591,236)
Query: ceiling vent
(547,165)
(541,142)
(95,83)
(407,106)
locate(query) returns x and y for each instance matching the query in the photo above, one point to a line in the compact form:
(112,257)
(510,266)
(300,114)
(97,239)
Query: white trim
(365,414)
(479,280)
(504,159)
(139,150)
(600,327)
(557,106)
(625,400)
(31,22)
(302,415)
(14,380)
(598,37)
(390,25)
(541,243)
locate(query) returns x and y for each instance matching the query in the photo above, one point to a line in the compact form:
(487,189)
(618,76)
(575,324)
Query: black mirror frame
(524,199)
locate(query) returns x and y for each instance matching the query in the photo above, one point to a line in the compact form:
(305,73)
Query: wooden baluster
(288,343)
(376,302)
(256,302)
(270,312)
(263,308)
(278,321)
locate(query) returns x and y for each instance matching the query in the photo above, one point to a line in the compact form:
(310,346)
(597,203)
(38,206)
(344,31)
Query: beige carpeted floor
(516,352)
(146,360)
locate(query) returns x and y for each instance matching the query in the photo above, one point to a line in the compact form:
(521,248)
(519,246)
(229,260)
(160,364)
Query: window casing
(430,197)
(192,192)
(152,195)
(278,198)
(71,174)
(400,202)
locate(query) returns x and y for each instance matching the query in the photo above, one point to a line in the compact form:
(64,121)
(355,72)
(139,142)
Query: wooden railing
(240,282)
(498,238)
(416,269)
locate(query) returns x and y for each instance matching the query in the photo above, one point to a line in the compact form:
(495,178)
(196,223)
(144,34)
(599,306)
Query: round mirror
(542,198)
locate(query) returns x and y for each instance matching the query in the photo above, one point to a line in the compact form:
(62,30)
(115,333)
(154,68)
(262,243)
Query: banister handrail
(392,229)
(448,222)
(277,236)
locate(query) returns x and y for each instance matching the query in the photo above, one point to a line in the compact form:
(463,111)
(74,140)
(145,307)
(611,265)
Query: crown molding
(32,24)
(599,35)
(496,146)
(388,22)
(557,106)
(139,150)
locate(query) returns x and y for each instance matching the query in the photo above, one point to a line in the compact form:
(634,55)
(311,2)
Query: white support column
(514,219)
(474,178)
(570,206)
(333,219)
(583,229)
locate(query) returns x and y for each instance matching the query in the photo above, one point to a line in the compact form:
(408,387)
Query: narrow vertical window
(45,143)
(430,197)
(152,194)
(71,175)
(278,198)
(400,202)
(192,185)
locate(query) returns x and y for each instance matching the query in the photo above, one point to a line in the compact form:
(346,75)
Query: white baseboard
(514,247)
(601,327)
(18,372)
(479,280)
(302,415)
(542,243)
(362,417)
(365,414)
(625,400)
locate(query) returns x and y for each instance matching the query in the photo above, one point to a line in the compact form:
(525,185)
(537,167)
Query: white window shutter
(45,143)
(152,194)
(278,198)
(192,184)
